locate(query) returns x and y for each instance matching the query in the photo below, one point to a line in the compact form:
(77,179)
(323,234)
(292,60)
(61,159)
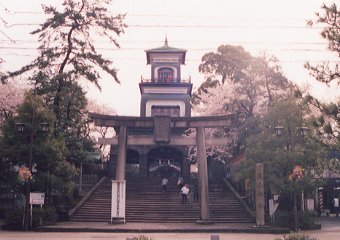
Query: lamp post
(303,131)
(20,128)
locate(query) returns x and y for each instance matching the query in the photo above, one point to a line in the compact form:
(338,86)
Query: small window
(166,75)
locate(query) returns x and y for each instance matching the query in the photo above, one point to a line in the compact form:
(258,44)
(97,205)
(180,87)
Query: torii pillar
(203,175)
(121,159)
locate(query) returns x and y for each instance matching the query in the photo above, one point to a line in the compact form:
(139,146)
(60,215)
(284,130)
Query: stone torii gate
(161,135)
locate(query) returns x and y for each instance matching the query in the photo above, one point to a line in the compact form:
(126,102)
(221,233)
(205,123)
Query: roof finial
(166,41)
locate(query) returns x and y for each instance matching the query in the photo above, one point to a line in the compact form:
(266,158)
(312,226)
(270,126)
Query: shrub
(40,216)
(13,219)
(298,236)
(142,237)
(306,220)
(44,216)
(281,219)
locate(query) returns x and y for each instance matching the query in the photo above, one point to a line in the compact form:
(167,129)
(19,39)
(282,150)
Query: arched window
(166,75)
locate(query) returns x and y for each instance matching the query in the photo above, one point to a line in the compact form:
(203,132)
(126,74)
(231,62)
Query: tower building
(166,93)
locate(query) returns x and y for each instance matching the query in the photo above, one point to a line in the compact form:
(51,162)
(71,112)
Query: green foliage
(282,219)
(306,220)
(280,154)
(240,84)
(330,19)
(333,165)
(227,62)
(328,73)
(41,216)
(141,237)
(68,56)
(48,151)
(298,236)
(13,219)
(253,78)
(15,145)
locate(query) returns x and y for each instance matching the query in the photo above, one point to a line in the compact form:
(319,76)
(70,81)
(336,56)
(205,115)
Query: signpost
(259,194)
(118,201)
(36,198)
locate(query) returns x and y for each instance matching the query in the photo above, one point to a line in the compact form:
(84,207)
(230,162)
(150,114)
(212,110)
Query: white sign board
(273,206)
(310,204)
(118,200)
(37,198)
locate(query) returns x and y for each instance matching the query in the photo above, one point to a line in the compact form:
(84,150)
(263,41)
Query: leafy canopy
(282,153)
(68,53)
(241,84)
(47,154)
(328,118)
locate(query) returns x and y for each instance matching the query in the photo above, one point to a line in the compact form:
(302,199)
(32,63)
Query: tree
(280,153)
(254,82)
(68,53)
(68,57)
(226,64)
(11,96)
(291,160)
(328,119)
(330,18)
(48,152)
(99,131)
(240,84)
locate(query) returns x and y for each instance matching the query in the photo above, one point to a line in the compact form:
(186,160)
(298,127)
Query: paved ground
(330,231)
(151,227)
(124,236)
(330,228)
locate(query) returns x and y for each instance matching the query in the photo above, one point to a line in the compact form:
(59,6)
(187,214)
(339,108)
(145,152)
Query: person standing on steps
(228,171)
(180,183)
(195,193)
(164,183)
(336,204)
(185,192)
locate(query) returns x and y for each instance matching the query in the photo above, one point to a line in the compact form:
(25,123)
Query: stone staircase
(146,202)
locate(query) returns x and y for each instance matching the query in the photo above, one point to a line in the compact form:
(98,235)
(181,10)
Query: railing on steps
(240,199)
(85,198)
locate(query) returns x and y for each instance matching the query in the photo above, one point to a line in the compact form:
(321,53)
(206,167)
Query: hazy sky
(276,27)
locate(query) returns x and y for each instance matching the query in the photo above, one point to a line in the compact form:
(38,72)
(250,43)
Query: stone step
(146,202)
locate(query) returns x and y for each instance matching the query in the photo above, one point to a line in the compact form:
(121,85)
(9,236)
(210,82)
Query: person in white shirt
(185,192)
(336,205)
(164,184)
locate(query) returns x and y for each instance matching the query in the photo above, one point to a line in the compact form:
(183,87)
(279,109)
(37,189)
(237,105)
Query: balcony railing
(165,80)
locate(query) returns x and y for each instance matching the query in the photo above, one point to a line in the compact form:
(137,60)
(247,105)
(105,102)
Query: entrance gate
(160,128)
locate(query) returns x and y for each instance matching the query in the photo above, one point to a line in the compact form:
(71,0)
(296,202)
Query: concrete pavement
(159,228)
(124,236)
(330,231)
